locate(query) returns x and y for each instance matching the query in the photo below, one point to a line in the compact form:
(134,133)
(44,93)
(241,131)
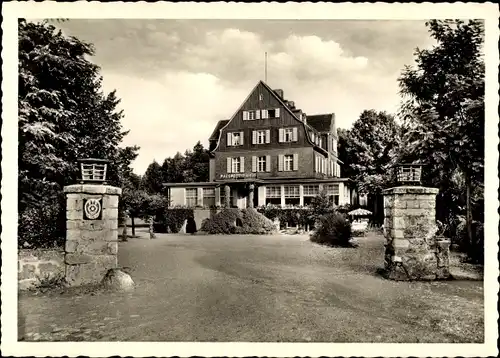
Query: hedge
(171,219)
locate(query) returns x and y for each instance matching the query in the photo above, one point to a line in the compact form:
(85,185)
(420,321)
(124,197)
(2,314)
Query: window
(251,115)
(261,97)
(288,162)
(333,193)
(287,135)
(236,139)
(271,113)
(261,137)
(236,165)
(310,191)
(191,197)
(261,164)
(292,195)
(209,197)
(273,195)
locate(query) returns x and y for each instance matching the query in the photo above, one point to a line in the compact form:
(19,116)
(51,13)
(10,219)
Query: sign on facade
(237,176)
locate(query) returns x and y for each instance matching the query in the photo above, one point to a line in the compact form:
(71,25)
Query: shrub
(333,230)
(255,223)
(171,219)
(301,216)
(235,221)
(43,225)
(224,222)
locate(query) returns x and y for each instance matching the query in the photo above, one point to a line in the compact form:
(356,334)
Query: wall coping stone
(92,189)
(410,190)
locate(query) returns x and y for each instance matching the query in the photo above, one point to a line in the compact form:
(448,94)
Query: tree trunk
(133,225)
(125,233)
(151,229)
(468,215)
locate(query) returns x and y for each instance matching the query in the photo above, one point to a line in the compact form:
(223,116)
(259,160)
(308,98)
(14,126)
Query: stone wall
(91,242)
(412,249)
(35,265)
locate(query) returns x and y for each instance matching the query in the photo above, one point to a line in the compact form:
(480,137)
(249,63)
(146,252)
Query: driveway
(259,289)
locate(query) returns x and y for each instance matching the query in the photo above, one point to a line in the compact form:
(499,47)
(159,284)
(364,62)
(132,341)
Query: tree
(369,148)
(444,104)
(63,116)
(152,181)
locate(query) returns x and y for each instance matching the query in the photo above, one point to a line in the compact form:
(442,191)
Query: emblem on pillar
(92,209)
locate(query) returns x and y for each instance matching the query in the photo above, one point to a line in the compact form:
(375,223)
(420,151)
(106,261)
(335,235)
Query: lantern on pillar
(409,173)
(93,170)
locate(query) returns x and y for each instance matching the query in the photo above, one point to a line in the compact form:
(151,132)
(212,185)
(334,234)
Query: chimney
(279,92)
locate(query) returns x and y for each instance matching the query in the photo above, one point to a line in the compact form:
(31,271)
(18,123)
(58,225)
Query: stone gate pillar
(91,232)
(412,251)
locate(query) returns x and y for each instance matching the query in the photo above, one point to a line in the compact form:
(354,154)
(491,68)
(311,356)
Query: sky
(178,78)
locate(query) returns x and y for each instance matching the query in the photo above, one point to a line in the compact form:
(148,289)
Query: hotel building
(268,152)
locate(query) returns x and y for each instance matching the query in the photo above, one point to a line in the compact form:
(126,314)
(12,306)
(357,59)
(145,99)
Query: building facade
(268,152)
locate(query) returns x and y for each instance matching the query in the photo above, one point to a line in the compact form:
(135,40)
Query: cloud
(176,79)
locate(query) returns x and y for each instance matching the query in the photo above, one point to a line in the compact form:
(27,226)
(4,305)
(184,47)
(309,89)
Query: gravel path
(258,288)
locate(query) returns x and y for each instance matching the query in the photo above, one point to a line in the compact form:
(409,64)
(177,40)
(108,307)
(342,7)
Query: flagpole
(265,69)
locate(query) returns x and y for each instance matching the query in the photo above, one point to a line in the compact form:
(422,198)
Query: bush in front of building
(236,221)
(333,230)
(254,222)
(172,219)
(224,222)
(293,216)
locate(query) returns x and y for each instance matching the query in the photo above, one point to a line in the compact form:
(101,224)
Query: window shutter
(268,136)
(241,137)
(229,168)
(242,164)
(264,114)
(281,132)
(257,114)
(254,137)
(338,170)
(277,113)
(229,139)
(280,162)
(294,134)
(268,163)
(295,161)
(254,163)
(245,115)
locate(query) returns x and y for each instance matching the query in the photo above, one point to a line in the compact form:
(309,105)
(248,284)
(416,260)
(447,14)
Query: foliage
(223,222)
(320,206)
(255,223)
(299,216)
(236,221)
(443,110)
(333,230)
(171,219)
(193,166)
(63,115)
(43,225)
(368,149)
(49,282)
(152,181)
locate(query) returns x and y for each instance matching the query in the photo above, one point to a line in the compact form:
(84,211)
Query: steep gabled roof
(321,122)
(218,127)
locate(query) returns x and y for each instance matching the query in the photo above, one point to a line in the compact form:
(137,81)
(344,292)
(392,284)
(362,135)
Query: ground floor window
(191,197)
(310,191)
(273,195)
(333,193)
(209,197)
(292,195)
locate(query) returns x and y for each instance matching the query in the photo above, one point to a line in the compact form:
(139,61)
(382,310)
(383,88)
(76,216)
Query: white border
(11,11)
